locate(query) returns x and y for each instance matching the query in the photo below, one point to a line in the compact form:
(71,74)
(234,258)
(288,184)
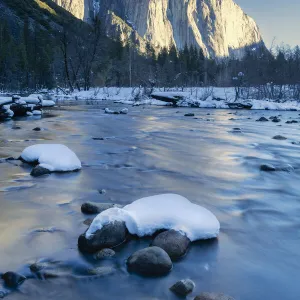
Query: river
(150,151)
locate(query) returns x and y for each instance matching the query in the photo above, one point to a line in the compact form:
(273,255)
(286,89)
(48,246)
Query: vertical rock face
(219,27)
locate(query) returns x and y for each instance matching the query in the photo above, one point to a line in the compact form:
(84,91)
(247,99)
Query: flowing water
(155,150)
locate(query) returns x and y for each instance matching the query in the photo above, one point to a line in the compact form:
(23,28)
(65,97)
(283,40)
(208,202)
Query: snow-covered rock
(54,157)
(36,112)
(109,111)
(168,211)
(124,111)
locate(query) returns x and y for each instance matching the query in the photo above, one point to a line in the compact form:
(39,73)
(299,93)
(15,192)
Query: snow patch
(36,112)
(168,211)
(54,157)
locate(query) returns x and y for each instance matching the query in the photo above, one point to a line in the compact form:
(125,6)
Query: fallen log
(236,105)
(167,97)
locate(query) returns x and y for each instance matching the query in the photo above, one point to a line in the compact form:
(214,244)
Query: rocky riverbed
(223,160)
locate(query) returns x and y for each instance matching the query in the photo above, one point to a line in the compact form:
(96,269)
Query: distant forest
(80,56)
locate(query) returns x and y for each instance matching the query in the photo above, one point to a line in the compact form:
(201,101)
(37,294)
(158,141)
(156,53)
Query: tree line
(79,56)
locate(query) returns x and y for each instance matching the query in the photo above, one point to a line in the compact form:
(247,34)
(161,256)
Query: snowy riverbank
(195,97)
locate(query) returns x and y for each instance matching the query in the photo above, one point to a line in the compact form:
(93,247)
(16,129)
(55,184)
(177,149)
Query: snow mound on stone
(55,158)
(168,211)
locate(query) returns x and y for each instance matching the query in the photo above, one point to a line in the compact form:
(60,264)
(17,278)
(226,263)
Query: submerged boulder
(151,261)
(109,236)
(183,287)
(173,242)
(213,296)
(104,254)
(189,115)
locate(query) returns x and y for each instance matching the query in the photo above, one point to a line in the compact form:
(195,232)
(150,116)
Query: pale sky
(278,19)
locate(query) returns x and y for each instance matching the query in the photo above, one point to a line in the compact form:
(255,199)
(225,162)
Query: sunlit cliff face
(219,27)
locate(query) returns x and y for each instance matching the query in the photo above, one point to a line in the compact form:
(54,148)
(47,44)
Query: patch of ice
(54,157)
(168,211)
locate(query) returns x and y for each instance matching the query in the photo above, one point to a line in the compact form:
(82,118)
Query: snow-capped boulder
(151,261)
(109,111)
(173,242)
(53,157)
(124,111)
(6,112)
(145,216)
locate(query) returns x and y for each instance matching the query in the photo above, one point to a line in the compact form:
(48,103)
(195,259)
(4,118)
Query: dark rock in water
(102,192)
(104,253)
(213,296)
(39,171)
(276,120)
(109,236)
(91,209)
(189,115)
(37,129)
(231,119)
(151,261)
(279,137)
(173,242)
(19,110)
(183,287)
(237,129)
(13,280)
(267,168)
(16,127)
(99,139)
(262,119)
(291,122)
(37,107)
(37,267)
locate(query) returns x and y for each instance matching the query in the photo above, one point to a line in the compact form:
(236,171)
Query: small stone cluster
(16,107)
